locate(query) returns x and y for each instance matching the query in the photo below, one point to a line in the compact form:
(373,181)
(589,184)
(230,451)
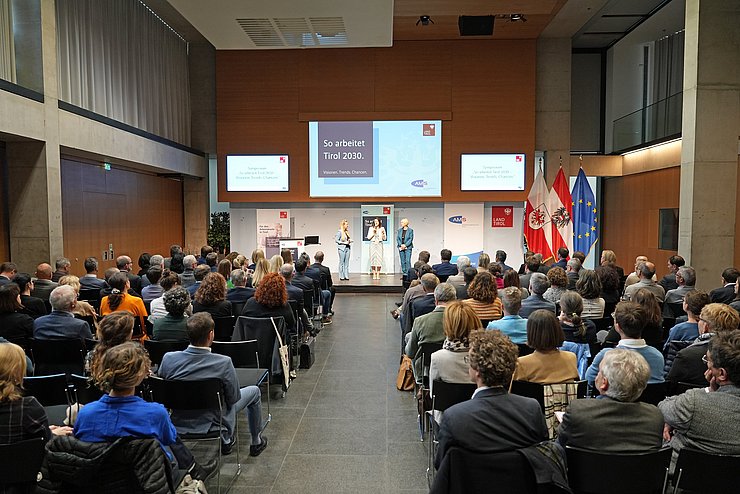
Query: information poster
(272,224)
(463,230)
(384,214)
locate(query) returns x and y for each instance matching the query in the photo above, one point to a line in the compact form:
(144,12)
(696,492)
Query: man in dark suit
(573,267)
(32,306)
(461,291)
(61,323)
(493,421)
(501,261)
(198,362)
(7,271)
(91,280)
(668,282)
(187,277)
(42,285)
(319,284)
(531,266)
(62,265)
(307,284)
(421,305)
(326,281)
(538,285)
(413,273)
(445,269)
(124,265)
(563,254)
(428,328)
(295,293)
(599,425)
(240,293)
(726,293)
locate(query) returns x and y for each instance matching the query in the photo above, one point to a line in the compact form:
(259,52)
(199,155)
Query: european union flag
(585,219)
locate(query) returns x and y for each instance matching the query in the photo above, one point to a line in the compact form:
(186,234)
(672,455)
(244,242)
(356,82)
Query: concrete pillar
(710,129)
(552,104)
(195,213)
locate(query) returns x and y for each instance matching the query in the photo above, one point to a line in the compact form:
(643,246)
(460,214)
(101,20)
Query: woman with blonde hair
(257,254)
(484,262)
(21,417)
(276,262)
(260,270)
(344,242)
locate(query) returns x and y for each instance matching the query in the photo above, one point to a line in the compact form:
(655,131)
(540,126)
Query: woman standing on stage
(376,235)
(343,247)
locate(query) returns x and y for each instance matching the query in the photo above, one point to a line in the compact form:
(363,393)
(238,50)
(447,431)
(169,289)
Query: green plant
(219,236)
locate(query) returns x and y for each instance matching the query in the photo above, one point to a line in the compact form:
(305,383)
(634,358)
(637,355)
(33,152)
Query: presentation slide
(492,171)
(257,173)
(375,159)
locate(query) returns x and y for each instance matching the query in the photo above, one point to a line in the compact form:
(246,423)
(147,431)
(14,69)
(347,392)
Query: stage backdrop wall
(427,220)
(463,230)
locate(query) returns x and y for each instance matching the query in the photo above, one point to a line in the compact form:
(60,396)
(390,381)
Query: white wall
(427,220)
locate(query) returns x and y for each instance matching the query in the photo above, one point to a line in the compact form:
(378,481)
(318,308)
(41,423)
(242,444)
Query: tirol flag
(537,218)
(585,226)
(561,214)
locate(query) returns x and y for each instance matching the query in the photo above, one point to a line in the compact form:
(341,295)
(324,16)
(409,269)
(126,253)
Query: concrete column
(710,129)
(552,117)
(195,213)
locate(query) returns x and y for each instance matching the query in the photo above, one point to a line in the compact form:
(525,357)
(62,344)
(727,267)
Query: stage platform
(364,283)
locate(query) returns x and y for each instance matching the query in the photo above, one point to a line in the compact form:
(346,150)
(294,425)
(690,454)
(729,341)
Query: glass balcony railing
(654,122)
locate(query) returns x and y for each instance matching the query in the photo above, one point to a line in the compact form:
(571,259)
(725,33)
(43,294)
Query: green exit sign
(106,166)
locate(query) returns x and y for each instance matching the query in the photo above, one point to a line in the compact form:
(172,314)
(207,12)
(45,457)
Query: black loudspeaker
(475,25)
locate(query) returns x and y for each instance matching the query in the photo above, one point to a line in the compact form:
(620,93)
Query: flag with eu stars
(585,226)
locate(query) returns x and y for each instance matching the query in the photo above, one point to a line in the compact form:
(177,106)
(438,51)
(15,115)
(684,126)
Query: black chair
(697,471)
(261,329)
(592,472)
(484,323)
(157,349)
(138,331)
(237,307)
(82,390)
(55,356)
(426,350)
(308,304)
(224,328)
(90,320)
(21,464)
(90,344)
(675,309)
(91,296)
(654,393)
(524,349)
(677,388)
(205,394)
(537,391)
(51,392)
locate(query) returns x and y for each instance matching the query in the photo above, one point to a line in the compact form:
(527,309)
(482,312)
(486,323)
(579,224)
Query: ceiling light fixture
(424,20)
(517,18)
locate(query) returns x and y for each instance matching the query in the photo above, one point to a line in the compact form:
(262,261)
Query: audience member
(120,299)
(200,272)
(155,261)
(484,262)
(706,419)
(257,254)
(239,293)
(428,328)
(198,362)
(411,294)
(82,307)
(688,366)
(575,328)
(615,422)
(629,320)
(444,269)
(34,307)
(461,291)
(91,281)
(187,277)
(501,261)
(174,250)
(326,281)
(588,287)
(609,258)
(493,420)
(62,269)
(211,297)
(580,256)
(413,273)
(204,251)
(61,323)
(296,295)
(143,263)
(261,269)
(43,285)
(157,309)
(685,279)
(547,365)
(422,305)
(646,271)
(532,265)
(176,263)
(726,293)
(7,271)
(271,300)
(124,265)
(634,276)
(153,289)
(558,284)
(512,279)
(114,329)
(312,285)
(461,263)
(212,261)
(563,254)
(497,274)
(693,304)
(483,297)
(609,288)
(14,325)
(669,282)
(172,327)
(538,285)
(571,271)
(512,324)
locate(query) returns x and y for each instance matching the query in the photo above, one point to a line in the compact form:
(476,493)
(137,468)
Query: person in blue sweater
(629,320)
(693,303)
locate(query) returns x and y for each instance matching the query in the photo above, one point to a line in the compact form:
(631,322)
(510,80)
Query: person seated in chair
(239,293)
(547,365)
(428,327)
(61,323)
(615,422)
(445,269)
(512,324)
(91,281)
(538,285)
(493,420)
(173,326)
(197,362)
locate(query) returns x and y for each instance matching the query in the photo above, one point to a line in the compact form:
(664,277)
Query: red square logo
(282,159)
(283,215)
(518,158)
(386,210)
(428,129)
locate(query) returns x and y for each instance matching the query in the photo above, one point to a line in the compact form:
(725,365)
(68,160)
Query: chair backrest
(697,471)
(243,354)
(654,393)
(138,331)
(308,296)
(676,309)
(677,388)
(90,320)
(427,349)
(447,394)
(91,296)
(551,398)
(157,349)
(237,308)
(82,390)
(204,394)
(260,329)
(603,324)
(48,390)
(593,472)
(21,462)
(90,343)
(224,328)
(62,355)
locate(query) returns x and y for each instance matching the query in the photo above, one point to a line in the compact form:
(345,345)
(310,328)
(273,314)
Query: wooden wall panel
(630,210)
(133,211)
(4,227)
(483,90)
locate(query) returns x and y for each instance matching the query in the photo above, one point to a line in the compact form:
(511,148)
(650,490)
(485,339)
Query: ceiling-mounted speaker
(475,25)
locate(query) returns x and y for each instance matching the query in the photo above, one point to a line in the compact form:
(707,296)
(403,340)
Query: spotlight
(424,20)
(517,18)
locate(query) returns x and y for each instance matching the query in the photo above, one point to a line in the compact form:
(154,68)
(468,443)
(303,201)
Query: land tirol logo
(459,219)
(428,130)
(421,183)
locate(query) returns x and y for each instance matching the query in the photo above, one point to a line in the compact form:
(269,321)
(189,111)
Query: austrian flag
(537,228)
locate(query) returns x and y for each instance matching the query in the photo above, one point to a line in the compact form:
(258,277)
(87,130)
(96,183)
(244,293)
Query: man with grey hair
(61,323)
(512,324)
(428,327)
(156,260)
(572,270)
(62,265)
(187,277)
(462,263)
(538,285)
(423,304)
(240,293)
(615,422)
(646,272)
(686,279)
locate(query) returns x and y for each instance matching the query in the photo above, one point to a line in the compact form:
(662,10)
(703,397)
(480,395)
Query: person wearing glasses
(714,319)
(706,419)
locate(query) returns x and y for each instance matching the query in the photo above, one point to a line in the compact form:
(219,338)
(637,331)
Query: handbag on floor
(284,356)
(306,352)
(405,380)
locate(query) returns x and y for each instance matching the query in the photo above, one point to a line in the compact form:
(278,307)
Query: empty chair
(55,356)
(590,472)
(21,464)
(697,471)
(654,393)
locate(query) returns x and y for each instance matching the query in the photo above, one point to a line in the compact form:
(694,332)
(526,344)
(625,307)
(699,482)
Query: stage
(364,283)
